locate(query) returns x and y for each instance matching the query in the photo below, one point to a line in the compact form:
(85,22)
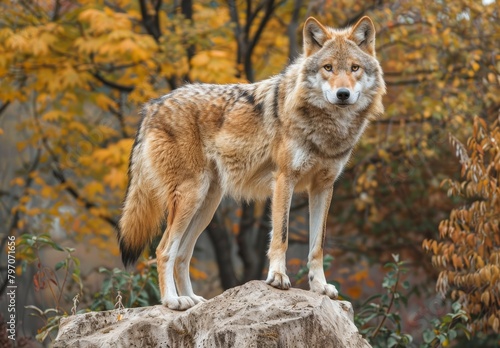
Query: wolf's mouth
(342,106)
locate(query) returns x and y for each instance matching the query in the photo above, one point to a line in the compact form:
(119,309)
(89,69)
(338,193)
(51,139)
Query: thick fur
(291,133)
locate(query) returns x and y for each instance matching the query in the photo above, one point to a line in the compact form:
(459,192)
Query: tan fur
(290,133)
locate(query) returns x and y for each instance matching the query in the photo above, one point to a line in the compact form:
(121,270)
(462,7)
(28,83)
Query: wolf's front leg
(319,203)
(282,197)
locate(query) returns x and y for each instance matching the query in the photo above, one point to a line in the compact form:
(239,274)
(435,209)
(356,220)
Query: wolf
(293,132)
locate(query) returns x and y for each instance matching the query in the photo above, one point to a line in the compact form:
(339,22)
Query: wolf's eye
(355,67)
(328,67)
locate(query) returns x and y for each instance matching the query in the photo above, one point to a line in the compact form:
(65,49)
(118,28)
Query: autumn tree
(79,71)
(467,252)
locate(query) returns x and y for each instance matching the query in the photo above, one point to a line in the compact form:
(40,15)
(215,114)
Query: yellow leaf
(46,191)
(34,211)
(383,154)
(197,274)
(79,127)
(127,45)
(104,102)
(17,181)
(354,292)
(116,178)
(51,115)
(295,262)
(201,59)
(93,188)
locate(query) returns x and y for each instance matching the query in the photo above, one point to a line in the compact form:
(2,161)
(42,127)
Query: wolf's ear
(363,34)
(315,36)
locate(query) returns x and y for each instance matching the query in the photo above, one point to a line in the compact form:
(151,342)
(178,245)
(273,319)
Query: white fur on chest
(300,157)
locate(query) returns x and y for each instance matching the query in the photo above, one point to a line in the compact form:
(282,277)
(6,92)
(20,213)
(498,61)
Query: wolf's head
(340,68)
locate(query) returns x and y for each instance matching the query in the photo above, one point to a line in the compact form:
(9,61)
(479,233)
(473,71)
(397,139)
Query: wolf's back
(142,212)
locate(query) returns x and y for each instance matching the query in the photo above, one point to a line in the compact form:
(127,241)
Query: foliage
(381,323)
(46,280)
(138,289)
(378,322)
(447,328)
(467,253)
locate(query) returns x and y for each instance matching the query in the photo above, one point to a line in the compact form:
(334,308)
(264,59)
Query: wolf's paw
(325,289)
(197,299)
(178,303)
(279,280)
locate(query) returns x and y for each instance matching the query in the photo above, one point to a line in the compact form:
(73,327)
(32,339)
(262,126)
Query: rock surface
(252,315)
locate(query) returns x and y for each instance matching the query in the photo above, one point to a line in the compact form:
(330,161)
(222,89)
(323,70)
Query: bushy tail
(142,214)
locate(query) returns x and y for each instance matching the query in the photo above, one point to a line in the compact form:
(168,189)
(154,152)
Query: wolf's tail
(142,212)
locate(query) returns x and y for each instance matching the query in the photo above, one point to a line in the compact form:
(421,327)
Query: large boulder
(252,315)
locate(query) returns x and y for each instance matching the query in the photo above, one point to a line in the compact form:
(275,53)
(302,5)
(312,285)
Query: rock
(252,315)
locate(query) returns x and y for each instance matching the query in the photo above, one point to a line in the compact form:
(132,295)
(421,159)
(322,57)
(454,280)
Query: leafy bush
(47,279)
(139,289)
(468,251)
(379,321)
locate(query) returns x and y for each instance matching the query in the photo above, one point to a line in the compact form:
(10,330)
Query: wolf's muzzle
(343,94)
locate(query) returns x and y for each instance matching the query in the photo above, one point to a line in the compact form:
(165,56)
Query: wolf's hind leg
(182,206)
(319,203)
(199,222)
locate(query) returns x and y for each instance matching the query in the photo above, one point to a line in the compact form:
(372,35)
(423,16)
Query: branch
(233,12)
(388,307)
(269,11)
(404,82)
(245,249)
(187,11)
(263,239)
(151,22)
(293,50)
(119,115)
(8,194)
(253,42)
(256,12)
(57,8)
(222,245)
(4,106)
(112,84)
(59,175)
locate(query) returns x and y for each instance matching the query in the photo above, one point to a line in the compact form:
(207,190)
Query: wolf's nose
(343,94)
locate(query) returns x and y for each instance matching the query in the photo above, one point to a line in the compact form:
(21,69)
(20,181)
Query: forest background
(423,183)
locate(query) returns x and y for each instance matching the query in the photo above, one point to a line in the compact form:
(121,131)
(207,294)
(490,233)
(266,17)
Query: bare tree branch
(187,11)
(57,8)
(151,22)
(3,107)
(246,44)
(293,47)
(112,84)
(222,245)
(253,42)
